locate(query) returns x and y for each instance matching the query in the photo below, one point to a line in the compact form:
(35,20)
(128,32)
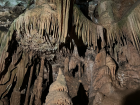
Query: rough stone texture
(111,76)
(98,98)
(107,89)
(132,55)
(128,78)
(15,99)
(55,71)
(4,101)
(73,85)
(100,59)
(111,65)
(58,92)
(89,63)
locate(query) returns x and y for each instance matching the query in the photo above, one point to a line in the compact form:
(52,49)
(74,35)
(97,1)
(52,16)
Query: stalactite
(128,24)
(66,64)
(100,33)
(35,26)
(59,10)
(63,18)
(88,28)
(66,19)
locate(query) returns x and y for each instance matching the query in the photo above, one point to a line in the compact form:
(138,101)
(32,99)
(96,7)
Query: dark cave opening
(3,29)
(81,98)
(75,71)
(99,44)
(82,50)
(105,34)
(132,99)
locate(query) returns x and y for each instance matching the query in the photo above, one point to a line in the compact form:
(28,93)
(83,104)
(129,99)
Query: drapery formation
(49,25)
(86,29)
(127,28)
(36,27)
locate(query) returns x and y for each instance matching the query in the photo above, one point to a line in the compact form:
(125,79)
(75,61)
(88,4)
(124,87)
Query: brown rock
(40,2)
(112,66)
(66,65)
(73,85)
(105,79)
(132,55)
(98,98)
(15,98)
(5,101)
(128,78)
(100,77)
(99,73)
(58,92)
(100,59)
(106,89)
(89,63)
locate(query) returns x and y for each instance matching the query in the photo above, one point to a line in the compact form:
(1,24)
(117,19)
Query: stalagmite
(111,65)
(58,92)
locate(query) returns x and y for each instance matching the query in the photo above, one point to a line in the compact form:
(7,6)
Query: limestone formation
(58,92)
(96,43)
(100,59)
(98,99)
(111,65)
(89,63)
(74,59)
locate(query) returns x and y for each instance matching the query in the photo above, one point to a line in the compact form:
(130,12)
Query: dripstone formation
(58,92)
(70,52)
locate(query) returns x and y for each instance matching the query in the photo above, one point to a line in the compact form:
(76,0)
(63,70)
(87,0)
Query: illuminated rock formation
(111,65)
(48,28)
(58,92)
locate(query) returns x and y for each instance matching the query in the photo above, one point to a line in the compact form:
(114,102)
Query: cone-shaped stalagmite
(58,92)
